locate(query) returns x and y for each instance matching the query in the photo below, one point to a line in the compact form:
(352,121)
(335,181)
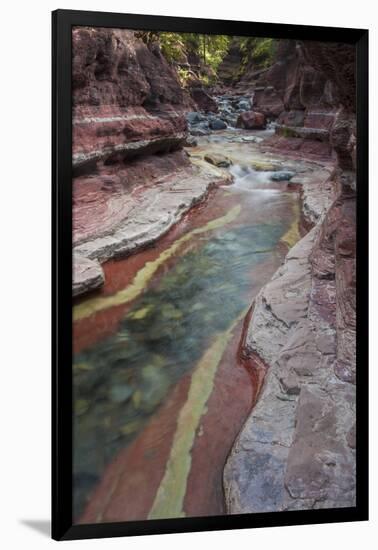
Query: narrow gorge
(213,275)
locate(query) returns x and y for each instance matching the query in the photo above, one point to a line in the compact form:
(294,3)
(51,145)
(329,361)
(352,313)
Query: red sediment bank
(121,272)
(129,484)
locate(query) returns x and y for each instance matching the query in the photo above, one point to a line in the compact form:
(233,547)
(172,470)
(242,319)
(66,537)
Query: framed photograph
(210,204)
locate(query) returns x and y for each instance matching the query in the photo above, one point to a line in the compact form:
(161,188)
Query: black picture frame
(62,522)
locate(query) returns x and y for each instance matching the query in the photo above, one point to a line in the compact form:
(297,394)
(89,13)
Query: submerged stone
(282,176)
(120,394)
(217,124)
(261,166)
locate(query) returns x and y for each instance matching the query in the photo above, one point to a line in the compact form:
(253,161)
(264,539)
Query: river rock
(194,117)
(251,120)
(293,451)
(244,105)
(120,393)
(282,176)
(218,160)
(217,124)
(312,134)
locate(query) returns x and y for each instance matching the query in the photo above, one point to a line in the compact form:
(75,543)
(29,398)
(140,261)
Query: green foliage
(264,51)
(261,51)
(213,48)
(209,51)
(172,46)
(184,75)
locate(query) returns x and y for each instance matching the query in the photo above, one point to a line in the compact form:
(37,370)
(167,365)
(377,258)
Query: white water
(248,179)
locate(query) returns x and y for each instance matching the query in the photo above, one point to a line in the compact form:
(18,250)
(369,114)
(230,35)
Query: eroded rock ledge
(296,450)
(132,181)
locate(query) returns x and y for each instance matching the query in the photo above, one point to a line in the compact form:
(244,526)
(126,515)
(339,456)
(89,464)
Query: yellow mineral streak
(170,495)
(292,235)
(144,275)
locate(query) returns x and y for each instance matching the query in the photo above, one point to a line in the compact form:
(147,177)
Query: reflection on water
(198,292)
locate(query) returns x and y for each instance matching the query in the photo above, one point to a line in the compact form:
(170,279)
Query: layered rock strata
(310,92)
(297,448)
(132,181)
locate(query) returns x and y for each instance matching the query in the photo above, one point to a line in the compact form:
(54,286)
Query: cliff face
(297,448)
(310,91)
(126,98)
(132,179)
(337,242)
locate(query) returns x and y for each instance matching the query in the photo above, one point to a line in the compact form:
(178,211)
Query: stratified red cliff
(132,180)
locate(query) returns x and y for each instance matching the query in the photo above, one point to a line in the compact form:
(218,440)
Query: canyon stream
(160,388)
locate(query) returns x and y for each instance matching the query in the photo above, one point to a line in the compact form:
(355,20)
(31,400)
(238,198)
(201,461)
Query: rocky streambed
(214,283)
(161,389)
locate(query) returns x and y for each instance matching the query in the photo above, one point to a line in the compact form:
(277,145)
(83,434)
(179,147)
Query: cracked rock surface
(296,449)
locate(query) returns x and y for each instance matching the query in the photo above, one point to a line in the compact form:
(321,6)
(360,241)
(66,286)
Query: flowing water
(159,394)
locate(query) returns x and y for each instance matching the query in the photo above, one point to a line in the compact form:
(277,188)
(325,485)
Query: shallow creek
(159,391)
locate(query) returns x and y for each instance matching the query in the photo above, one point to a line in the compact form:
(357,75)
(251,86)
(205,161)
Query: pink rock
(251,120)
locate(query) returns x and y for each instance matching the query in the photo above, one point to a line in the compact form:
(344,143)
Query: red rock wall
(318,81)
(298,451)
(127,99)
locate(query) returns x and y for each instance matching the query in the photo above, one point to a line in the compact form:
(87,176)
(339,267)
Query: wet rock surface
(134,182)
(186,296)
(218,160)
(251,120)
(293,451)
(129,126)
(144,217)
(229,109)
(297,448)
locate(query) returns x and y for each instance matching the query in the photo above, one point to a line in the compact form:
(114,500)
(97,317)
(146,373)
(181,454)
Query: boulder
(244,105)
(193,117)
(218,160)
(200,129)
(282,176)
(251,120)
(217,124)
